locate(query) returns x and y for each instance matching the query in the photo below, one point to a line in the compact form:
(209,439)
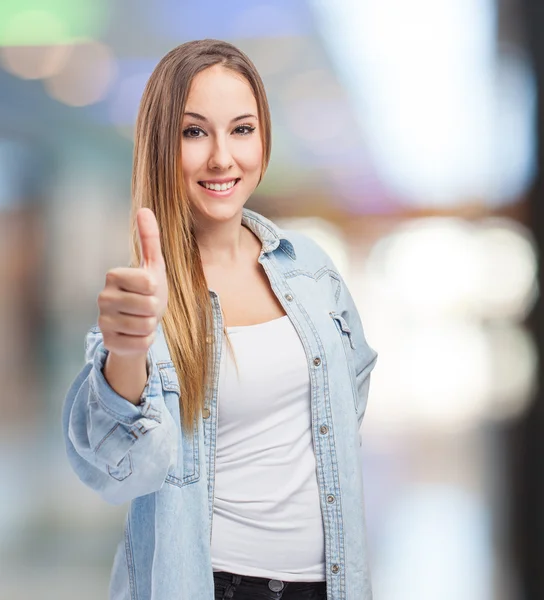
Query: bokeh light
(47,22)
(507,274)
(447,140)
(35,62)
(33,27)
(86,76)
(450,266)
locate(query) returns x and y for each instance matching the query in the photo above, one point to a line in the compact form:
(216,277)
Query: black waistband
(237,579)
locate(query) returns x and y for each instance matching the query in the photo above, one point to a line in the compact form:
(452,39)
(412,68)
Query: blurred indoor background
(405,141)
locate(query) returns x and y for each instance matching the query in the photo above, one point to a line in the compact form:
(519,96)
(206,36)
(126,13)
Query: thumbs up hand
(152,258)
(134,300)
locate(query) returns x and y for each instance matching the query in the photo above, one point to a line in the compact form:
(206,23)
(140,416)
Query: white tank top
(267,518)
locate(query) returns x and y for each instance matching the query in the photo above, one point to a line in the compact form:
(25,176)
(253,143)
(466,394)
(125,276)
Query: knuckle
(100,301)
(153,305)
(104,299)
(111,277)
(151,283)
(130,325)
(151,324)
(146,326)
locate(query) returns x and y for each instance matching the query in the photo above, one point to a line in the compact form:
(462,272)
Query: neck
(223,244)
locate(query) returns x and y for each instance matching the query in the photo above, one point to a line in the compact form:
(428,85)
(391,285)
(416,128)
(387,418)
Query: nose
(220,156)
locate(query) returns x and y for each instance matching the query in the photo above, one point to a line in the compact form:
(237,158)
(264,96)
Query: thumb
(150,241)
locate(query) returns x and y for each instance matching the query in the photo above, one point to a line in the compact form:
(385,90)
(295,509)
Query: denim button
(206,413)
(330,499)
(275,585)
(335,568)
(288,297)
(324,429)
(317,361)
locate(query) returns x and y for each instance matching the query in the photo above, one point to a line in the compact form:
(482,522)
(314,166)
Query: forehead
(219,93)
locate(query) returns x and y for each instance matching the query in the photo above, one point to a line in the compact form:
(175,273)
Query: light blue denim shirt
(138,453)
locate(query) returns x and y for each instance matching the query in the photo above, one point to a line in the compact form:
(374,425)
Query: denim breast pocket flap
(344,327)
(169,377)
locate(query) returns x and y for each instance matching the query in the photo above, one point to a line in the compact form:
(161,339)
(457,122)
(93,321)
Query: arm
(365,357)
(127,375)
(119,449)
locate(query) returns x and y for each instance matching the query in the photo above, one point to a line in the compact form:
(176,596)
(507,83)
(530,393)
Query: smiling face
(221,152)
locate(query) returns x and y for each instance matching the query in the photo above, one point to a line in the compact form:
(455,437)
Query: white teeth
(219,187)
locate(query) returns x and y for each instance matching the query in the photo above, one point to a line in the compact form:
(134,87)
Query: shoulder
(309,254)
(301,250)
(305,246)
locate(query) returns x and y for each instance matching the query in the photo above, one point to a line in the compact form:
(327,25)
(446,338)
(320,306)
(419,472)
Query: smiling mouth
(219,187)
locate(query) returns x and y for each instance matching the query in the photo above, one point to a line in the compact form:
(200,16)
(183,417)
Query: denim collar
(271,236)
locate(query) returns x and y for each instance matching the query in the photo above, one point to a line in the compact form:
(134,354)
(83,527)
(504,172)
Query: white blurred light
(442,297)
(428,264)
(433,375)
(514,363)
(449,375)
(437,119)
(514,139)
(327,235)
(507,278)
(452,267)
(86,76)
(34,62)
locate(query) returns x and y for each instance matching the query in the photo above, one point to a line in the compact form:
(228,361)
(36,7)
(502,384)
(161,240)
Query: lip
(220,194)
(219,180)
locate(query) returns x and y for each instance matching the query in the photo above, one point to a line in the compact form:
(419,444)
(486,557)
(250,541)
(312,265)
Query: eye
(244,129)
(193,132)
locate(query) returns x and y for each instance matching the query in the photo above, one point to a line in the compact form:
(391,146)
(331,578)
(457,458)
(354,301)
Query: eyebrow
(199,117)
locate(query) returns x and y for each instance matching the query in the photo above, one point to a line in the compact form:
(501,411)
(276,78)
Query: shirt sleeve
(118,449)
(365,356)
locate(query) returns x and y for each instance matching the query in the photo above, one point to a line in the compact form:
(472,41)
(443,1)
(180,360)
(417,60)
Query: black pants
(229,586)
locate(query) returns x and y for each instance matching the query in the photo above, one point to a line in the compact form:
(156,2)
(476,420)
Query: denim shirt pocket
(349,347)
(187,469)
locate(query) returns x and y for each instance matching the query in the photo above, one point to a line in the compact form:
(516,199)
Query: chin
(220,211)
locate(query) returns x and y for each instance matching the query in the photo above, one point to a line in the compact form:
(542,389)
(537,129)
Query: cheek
(250,158)
(192,158)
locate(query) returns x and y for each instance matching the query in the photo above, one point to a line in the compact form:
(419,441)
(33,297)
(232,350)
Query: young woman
(227,379)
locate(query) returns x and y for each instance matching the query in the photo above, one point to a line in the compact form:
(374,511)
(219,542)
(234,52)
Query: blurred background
(405,141)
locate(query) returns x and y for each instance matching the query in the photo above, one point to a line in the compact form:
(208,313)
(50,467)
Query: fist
(133,300)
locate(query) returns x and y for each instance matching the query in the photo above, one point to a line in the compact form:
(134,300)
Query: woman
(222,310)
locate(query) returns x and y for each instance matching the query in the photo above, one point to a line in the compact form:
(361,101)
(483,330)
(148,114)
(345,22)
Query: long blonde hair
(157,183)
